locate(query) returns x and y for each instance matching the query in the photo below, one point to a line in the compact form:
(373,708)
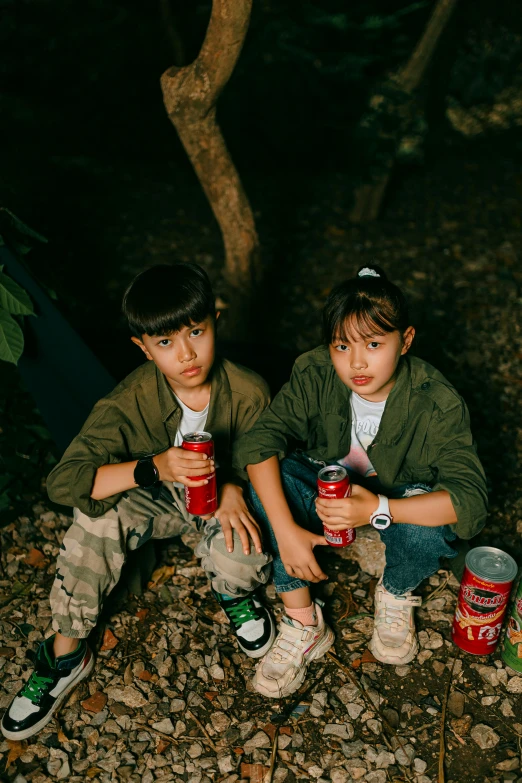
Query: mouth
(361,380)
(190,372)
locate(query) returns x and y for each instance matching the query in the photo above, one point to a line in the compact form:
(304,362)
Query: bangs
(361,324)
(157,324)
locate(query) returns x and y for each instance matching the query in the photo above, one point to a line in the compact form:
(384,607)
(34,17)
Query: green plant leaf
(13,298)
(11,338)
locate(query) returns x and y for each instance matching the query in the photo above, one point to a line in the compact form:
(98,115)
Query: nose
(186,351)
(358,359)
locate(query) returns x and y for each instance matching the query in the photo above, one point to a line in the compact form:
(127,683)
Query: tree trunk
(190,95)
(368,198)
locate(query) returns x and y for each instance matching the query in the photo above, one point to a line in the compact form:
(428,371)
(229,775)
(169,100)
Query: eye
(373,345)
(165,342)
(196,332)
(341,348)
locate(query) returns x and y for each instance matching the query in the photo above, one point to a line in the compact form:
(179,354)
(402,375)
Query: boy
(124,475)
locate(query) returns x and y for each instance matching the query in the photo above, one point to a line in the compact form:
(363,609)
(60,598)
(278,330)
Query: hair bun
(371,271)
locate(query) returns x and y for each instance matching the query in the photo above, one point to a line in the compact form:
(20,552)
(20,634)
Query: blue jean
(413,552)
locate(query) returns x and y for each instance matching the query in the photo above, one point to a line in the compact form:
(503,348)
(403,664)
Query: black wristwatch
(146,474)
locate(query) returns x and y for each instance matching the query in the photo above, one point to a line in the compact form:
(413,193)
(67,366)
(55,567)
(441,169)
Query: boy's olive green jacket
(140,417)
(424,435)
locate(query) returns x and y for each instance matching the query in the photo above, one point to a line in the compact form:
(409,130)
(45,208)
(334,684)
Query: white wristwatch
(381,517)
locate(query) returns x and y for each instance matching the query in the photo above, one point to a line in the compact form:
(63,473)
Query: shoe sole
(318,652)
(262,650)
(397,661)
(22,735)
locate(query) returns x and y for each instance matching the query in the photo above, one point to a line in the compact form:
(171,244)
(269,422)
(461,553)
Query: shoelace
(35,687)
(396,615)
(242,612)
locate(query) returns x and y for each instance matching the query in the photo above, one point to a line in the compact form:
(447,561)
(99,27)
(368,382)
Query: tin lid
(197,437)
(488,562)
(332,473)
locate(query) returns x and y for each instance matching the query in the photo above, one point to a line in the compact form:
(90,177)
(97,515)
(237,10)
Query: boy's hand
(233,514)
(297,554)
(346,513)
(181,465)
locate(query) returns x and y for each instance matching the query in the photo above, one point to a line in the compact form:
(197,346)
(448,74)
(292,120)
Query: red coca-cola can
(483,599)
(201,500)
(333,482)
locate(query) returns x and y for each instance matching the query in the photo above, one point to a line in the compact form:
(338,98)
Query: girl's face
(367,365)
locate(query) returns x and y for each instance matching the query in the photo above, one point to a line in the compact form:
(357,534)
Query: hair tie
(367,272)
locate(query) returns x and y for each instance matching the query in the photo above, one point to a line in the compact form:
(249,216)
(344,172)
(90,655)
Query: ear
(139,343)
(218,313)
(407,339)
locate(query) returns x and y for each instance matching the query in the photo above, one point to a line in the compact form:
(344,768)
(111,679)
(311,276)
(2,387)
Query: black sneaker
(251,622)
(50,682)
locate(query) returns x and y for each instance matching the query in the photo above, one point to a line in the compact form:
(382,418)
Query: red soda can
(333,482)
(201,500)
(483,599)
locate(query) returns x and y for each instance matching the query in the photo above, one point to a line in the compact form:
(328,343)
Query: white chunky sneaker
(394,639)
(283,668)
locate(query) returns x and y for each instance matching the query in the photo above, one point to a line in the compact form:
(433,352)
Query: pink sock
(306,616)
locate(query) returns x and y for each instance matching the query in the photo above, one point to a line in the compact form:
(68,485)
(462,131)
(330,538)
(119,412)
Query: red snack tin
(201,500)
(483,599)
(333,482)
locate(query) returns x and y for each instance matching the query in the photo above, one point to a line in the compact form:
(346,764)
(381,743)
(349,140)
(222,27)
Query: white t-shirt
(366,418)
(191,421)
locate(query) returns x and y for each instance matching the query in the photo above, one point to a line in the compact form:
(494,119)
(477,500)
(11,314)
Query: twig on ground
(270,774)
(442,748)
(167,738)
(189,714)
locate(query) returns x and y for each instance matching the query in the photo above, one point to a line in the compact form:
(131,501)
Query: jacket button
(425,386)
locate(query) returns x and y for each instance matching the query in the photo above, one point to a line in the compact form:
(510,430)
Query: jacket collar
(220,408)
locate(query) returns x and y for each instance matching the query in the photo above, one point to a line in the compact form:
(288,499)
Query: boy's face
(185,357)
(367,365)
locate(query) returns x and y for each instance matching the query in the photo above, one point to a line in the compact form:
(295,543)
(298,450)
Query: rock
(220,721)
(404,755)
(402,671)
(367,550)
(419,765)
(456,702)
(195,750)
(392,716)
(216,672)
(484,736)
(354,710)
(128,695)
(378,776)
(348,693)
(342,730)
(165,726)
(384,760)
(508,765)
(487,673)
(435,641)
(315,771)
(177,705)
(339,775)
(506,708)
(226,764)
(352,749)
(423,656)
(96,702)
(259,740)
(319,702)
(374,726)
(514,685)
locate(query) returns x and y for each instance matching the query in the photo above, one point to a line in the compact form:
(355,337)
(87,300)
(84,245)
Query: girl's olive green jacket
(424,435)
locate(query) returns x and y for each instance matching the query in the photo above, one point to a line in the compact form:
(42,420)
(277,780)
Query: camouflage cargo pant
(94,550)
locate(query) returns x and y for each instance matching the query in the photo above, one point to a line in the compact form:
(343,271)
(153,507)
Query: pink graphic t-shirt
(366,417)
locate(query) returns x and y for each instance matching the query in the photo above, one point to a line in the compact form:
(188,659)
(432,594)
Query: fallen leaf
(161,575)
(128,677)
(96,702)
(109,640)
(62,737)
(35,558)
(141,614)
(239,751)
(356,663)
(162,745)
(16,749)
(256,772)
(210,695)
(145,676)
(93,771)
(7,652)
(367,657)
(286,730)
(269,729)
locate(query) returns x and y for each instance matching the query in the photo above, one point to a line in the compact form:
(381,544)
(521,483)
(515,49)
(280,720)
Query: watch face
(381,522)
(145,473)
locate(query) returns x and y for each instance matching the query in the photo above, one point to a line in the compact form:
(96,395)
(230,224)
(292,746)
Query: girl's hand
(233,514)
(297,554)
(347,513)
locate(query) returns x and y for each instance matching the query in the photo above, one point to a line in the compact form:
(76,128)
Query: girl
(402,432)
